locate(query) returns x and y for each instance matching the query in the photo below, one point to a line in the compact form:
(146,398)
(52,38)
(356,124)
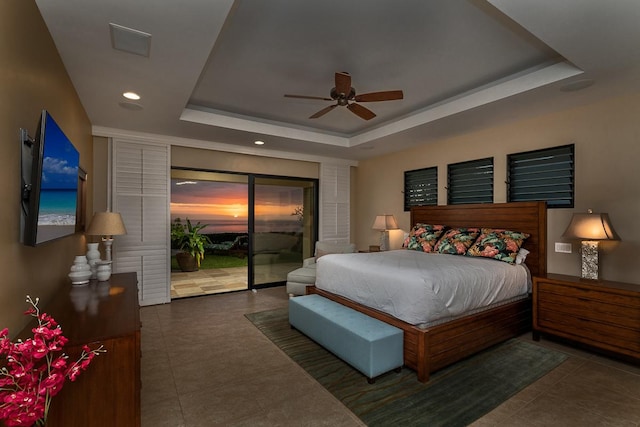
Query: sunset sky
(214,201)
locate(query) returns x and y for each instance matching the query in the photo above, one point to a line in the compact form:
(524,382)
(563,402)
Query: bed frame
(427,350)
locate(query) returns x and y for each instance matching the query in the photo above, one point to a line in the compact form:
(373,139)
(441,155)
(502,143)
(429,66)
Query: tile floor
(205,364)
(205,282)
(220,280)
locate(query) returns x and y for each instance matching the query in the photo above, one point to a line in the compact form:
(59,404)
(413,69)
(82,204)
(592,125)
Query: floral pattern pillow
(456,241)
(502,245)
(423,237)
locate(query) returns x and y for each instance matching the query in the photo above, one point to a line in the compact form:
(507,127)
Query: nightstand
(602,314)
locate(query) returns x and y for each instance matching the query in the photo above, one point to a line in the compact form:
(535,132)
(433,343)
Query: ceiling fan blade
(343,83)
(389,95)
(361,111)
(308,97)
(323,111)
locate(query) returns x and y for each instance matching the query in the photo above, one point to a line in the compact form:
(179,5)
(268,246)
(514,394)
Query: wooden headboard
(527,217)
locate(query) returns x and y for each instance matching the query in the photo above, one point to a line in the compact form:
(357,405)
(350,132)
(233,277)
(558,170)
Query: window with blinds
(470,182)
(546,174)
(421,187)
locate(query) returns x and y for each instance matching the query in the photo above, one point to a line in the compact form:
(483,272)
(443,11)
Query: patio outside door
(282,227)
(259,228)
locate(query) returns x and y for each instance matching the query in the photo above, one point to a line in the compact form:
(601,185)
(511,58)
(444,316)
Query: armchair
(299,279)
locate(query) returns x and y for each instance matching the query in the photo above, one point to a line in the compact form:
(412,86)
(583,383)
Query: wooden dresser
(601,314)
(108,392)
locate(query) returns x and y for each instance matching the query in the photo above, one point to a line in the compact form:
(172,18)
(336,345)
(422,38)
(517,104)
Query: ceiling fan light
(343,92)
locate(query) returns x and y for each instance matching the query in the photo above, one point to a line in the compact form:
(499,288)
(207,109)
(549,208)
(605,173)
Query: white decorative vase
(93,256)
(80,271)
(80,263)
(103,271)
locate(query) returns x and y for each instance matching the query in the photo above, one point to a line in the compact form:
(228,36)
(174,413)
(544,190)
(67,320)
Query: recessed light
(131,95)
(259,142)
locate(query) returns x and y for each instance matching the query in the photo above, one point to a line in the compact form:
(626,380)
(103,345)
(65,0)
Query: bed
(427,349)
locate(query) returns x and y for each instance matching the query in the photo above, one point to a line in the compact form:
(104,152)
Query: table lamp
(590,228)
(383,223)
(106,224)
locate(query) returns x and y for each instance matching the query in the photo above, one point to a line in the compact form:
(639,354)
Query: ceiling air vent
(130,40)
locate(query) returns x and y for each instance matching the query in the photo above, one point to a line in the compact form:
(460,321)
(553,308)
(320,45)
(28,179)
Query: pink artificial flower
(40,348)
(73,372)
(53,383)
(59,363)
(33,372)
(44,317)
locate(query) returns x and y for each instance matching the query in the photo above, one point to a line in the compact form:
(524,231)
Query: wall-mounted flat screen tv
(52,198)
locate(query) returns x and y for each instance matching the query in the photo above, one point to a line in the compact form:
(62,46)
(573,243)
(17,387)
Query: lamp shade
(385,222)
(590,226)
(106,224)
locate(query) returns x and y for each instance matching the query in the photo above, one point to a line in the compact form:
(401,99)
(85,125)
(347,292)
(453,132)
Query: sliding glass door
(282,225)
(258,228)
(216,205)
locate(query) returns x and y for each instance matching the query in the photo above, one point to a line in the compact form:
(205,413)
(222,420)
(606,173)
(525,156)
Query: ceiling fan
(345,95)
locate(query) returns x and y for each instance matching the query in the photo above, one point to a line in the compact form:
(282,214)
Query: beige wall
(607,144)
(196,158)
(32,78)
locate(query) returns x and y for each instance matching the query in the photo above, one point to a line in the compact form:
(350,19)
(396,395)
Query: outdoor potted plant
(187,238)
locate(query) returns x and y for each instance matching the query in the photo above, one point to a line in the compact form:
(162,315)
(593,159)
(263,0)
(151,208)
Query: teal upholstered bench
(369,345)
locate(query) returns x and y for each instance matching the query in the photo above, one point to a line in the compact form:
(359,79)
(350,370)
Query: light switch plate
(564,248)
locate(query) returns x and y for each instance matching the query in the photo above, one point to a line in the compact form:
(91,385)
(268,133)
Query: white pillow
(522,255)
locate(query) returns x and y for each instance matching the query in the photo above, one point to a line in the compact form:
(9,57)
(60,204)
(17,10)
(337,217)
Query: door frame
(251,178)
(251,223)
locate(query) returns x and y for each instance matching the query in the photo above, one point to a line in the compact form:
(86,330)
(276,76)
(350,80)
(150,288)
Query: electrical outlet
(564,248)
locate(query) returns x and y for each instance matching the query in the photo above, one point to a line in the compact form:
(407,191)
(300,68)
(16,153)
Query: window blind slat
(470,182)
(546,174)
(420,187)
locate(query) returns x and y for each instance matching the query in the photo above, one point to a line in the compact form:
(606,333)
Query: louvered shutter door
(334,203)
(141,195)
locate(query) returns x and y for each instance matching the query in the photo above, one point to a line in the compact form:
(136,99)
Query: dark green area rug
(454,396)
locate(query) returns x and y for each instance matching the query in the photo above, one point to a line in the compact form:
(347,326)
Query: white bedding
(420,288)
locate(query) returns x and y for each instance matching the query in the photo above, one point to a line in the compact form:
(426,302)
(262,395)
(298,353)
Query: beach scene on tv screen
(59,187)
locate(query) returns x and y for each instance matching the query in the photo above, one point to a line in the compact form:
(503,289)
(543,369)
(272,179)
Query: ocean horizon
(242,226)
